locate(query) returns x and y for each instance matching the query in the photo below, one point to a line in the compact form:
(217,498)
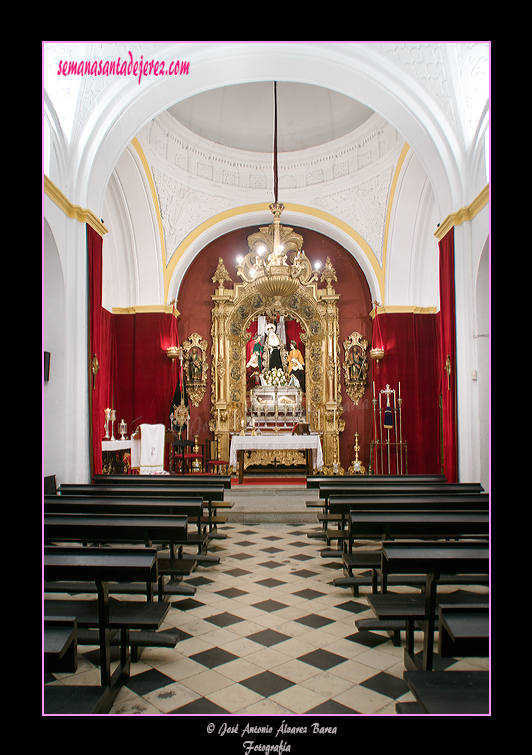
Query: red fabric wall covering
(410,345)
(145,377)
(447,347)
(101,345)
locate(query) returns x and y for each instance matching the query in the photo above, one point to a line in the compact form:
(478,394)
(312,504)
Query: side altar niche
(277,281)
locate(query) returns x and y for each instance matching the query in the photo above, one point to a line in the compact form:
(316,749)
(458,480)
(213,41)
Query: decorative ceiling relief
(182,209)
(363,207)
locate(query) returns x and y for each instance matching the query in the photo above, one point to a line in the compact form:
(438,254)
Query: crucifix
(447,369)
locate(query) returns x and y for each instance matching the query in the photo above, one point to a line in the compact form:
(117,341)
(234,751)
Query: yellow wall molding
(142,309)
(464,213)
(72,210)
(401,309)
(155,199)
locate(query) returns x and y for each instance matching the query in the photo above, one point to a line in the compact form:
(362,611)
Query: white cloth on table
(147,453)
(276,443)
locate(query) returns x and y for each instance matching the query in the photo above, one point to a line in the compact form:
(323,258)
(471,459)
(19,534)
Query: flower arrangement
(275,376)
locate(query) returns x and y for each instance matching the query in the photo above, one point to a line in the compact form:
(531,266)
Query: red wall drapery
(447,348)
(409,343)
(101,346)
(145,377)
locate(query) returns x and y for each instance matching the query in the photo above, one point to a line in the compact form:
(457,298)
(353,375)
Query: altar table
(309,443)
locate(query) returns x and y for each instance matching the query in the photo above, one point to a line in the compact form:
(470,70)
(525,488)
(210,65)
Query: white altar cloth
(115,445)
(276,443)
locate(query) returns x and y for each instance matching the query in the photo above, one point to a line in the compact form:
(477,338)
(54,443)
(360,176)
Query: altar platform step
(271,503)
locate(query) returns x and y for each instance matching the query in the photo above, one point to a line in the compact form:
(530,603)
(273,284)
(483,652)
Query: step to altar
(255,504)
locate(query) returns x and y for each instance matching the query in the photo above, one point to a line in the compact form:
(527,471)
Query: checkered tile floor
(265,634)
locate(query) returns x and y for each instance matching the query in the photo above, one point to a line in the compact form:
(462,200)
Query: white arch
(356,70)
(259,216)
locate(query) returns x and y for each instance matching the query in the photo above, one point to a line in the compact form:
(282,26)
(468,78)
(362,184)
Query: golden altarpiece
(277,279)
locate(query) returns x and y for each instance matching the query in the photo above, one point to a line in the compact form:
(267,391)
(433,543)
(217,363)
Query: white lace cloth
(276,443)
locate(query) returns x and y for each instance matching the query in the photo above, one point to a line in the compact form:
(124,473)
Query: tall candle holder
(356,466)
(107,413)
(113,420)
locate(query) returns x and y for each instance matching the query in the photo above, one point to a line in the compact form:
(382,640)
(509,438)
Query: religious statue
(253,370)
(296,365)
(194,367)
(257,349)
(355,366)
(273,345)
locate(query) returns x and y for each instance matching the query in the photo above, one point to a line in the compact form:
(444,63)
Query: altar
(281,446)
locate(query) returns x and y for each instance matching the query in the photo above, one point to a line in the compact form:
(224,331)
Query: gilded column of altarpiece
(316,310)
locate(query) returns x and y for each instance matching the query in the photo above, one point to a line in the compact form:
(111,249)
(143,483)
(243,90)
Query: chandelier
(276,263)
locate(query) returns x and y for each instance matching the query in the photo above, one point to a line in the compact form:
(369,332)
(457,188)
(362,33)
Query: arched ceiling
(242,116)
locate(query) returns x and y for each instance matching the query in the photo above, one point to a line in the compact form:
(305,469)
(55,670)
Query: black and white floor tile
(267,634)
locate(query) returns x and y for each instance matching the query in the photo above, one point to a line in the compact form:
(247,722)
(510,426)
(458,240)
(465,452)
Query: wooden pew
(212,494)
(340,506)
(463,631)
(174,567)
(100,565)
(60,644)
(314,481)
(369,560)
(431,560)
(178,480)
(356,481)
(450,693)
(349,491)
(117,528)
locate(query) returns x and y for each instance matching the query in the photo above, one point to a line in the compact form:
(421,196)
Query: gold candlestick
(356,466)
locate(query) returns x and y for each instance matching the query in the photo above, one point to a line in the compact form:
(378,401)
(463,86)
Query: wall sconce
(173,352)
(376,354)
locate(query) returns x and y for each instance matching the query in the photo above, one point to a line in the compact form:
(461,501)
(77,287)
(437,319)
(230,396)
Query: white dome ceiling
(242,116)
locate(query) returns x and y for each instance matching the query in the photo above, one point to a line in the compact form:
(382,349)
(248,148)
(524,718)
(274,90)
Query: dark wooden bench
(450,693)
(398,612)
(340,506)
(474,523)
(396,525)
(192,507)
(119,528)
(60,644)
(178,480)
(349,491)
(314,481)
(211,493)
(100,565)
(463,631)
(355,481)
(432,560)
